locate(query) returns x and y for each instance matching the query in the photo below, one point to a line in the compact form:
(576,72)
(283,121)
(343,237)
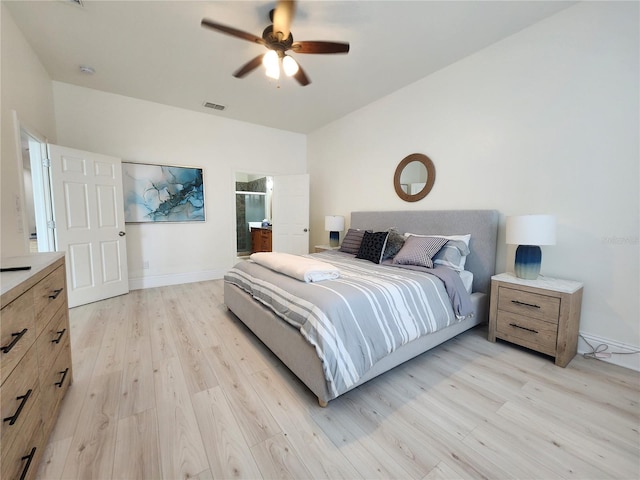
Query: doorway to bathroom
(253,210)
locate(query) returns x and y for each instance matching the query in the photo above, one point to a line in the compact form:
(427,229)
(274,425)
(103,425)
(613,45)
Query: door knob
(122,234)
(305,230)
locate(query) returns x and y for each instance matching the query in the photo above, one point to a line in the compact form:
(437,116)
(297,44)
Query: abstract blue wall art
(161,193)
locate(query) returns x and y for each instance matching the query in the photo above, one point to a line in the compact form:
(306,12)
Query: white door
(290,230)
(89,221)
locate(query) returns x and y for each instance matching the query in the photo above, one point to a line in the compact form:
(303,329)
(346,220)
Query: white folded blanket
(301,268)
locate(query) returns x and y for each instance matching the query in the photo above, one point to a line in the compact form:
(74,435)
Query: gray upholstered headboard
(481,224)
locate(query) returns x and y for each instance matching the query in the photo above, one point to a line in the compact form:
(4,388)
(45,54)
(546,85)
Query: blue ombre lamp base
(528,260)
(334,239)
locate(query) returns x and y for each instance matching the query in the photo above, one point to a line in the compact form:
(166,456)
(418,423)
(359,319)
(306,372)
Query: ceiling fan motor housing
(274,42)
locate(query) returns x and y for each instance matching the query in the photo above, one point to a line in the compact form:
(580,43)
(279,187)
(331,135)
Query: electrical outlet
(145,265)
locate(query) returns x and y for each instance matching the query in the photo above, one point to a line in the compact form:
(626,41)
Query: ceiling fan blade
(234,32)
(320,47)
(248,67)
(301,77)
(283,16)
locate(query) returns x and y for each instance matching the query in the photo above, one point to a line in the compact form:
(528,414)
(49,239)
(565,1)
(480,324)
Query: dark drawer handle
(60,334)
(64,375)
(523,328)
(525,304)
(56,292)
(14,418)
(16,338)
(28,458)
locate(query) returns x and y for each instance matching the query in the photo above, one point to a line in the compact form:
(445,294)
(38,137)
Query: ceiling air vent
(215,106)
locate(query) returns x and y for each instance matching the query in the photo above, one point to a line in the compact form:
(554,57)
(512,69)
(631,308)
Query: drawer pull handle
(523,328)
(64,375)
(525,304)
(28,458)
(14,418)
(16,338)
(56,292)
(60,335)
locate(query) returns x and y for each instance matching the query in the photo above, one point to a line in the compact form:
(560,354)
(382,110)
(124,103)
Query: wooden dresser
(260,240)
(35,359)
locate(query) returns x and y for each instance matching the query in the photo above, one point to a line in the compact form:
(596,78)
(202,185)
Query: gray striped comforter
(357,319)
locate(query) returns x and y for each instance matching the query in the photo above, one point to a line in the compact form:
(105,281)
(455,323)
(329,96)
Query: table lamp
(334,224)
(529,232)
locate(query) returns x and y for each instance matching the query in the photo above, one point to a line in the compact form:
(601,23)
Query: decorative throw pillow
(452,259)
(453,255)
(395,241)
(419,251)
(352,240)
(372,246)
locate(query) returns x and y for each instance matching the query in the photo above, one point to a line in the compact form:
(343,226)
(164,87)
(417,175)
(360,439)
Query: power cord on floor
(601,351)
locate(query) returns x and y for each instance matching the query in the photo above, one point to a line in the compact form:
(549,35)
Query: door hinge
(46,162)
(51,224)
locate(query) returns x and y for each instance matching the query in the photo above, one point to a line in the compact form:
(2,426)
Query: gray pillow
(452,254)
(395,241)
(352,240)
(419,251)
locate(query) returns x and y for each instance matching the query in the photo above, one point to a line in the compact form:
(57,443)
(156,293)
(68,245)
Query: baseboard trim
(627,359)
(174,279)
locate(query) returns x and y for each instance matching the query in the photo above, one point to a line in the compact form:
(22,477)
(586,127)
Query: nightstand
(542,314)
(322,248)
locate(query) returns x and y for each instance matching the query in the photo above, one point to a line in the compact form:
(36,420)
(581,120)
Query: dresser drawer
(528,332)
(53,339)
(18,394)
(17,333)
(48,296)
(532,305)
(54,382)
(20,457)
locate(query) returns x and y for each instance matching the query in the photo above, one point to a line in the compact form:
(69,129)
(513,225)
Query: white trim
(627,360)
(141,283)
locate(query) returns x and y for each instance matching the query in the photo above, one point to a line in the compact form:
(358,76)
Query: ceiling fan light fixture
(290,66)
(270,60)
(274,72)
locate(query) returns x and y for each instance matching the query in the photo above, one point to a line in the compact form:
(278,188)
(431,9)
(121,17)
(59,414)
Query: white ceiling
(157,50)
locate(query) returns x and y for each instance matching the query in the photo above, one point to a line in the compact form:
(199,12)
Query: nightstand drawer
(533,305)
(528,332)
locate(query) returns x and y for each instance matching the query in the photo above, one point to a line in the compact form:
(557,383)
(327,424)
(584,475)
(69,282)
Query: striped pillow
(419,251)
(352,240)
(452,254)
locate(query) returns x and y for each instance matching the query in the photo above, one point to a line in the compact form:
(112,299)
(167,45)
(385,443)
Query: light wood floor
(169,384)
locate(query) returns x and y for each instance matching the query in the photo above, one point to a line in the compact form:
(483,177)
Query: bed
(284,337)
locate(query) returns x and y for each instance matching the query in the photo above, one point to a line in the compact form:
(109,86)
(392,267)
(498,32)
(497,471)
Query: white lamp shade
(334,223)
(290,66)
(531,230)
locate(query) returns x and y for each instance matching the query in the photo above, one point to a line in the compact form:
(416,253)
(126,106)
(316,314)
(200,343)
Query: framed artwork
(162,193)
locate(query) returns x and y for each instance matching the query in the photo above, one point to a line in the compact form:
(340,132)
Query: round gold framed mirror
(414,177)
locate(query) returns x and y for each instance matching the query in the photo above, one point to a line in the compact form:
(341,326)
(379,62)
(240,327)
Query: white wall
(545,121)
(146,132)
(26,90)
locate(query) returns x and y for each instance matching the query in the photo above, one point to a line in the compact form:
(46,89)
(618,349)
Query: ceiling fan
(277,38)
